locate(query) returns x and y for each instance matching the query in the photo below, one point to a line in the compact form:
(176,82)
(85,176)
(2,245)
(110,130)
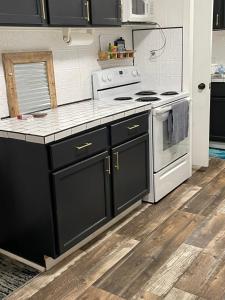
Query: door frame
(190,13)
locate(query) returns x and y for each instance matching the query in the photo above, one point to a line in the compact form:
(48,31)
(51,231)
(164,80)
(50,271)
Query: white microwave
(137,10)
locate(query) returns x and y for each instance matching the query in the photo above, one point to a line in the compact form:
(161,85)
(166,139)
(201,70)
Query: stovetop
(147,96)
(155,99)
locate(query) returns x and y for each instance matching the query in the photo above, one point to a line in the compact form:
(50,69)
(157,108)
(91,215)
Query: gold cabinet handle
(88,11)
(133,127)
(217,19)
(43,9)
(86,145)
(108,170)
(117,165)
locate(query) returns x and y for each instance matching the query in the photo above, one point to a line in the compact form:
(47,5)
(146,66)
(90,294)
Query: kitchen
(102,120)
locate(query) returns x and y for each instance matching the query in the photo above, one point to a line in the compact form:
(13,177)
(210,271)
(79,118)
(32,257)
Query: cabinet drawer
(129,129)
(77,148)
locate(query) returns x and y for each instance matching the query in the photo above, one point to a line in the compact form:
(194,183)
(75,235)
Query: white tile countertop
(69,119)
(217,78)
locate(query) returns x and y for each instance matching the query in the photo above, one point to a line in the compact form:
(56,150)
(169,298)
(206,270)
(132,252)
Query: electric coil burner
(148,99)
(146,93)
(169,93)
(123,98)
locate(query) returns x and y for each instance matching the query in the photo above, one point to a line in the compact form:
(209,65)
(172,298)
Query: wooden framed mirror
(30,81)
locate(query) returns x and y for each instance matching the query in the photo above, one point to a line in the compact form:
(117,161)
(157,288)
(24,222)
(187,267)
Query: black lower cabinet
(217,112)
(54,196)
(82,199)
(130,172)
(217,119)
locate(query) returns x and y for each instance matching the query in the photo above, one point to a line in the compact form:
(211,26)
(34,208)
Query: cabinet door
(217,120)
(68,12)
(218,14)
(130,172)
(82,200)
(22,12)
(106,12)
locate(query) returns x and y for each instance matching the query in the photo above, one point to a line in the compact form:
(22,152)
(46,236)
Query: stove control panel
(113,77)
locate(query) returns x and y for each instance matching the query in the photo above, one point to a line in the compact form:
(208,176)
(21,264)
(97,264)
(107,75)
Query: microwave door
(140,11)
(138,7)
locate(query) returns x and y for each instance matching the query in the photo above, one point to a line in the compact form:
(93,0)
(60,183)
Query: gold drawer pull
(117,165)
(108,170)
(133,127)
(86,145)
(43,9)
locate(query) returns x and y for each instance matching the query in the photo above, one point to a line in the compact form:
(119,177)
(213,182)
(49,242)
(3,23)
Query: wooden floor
(172,250)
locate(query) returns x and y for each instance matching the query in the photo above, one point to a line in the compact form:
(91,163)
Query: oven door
(164,152)
(137,10)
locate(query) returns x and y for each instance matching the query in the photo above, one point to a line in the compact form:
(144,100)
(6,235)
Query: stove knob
(134,73)
(109,77)
(138,73)
(104,78)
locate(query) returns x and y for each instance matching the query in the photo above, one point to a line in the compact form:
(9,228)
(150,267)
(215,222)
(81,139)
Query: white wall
(163,71)
(218,47)
(169,13)
(72,65)
(176,13)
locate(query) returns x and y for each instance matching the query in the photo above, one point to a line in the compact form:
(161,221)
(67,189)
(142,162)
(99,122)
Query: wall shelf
(106,55)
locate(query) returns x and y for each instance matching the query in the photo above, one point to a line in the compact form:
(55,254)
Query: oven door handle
(161,111)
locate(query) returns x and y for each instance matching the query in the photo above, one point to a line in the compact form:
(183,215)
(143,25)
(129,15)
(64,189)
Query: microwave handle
(147,6)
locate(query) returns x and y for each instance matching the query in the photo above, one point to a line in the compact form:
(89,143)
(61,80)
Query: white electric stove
(170,165)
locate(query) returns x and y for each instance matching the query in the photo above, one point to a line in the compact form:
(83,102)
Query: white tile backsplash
(72,65)
(218,47)
(164,71)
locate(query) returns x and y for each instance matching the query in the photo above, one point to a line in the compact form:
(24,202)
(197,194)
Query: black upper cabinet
(218,14)
(68,12)
(22,12)
(130,172)
(60,13)
(106,12)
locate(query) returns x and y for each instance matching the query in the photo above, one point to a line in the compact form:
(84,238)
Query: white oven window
(164,152)
(138,7)
(166,141)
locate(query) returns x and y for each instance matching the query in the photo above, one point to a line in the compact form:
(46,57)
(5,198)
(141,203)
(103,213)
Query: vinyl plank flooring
(176,294)
(216,287)
(216,246)
(210,197)
(206,230)
(221,207)
(174,250)
(141,264)
(149,296)
(145,223)
(97,294)
(168,274)
(203,176)
(46,278)
(195,279)
(79,277)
